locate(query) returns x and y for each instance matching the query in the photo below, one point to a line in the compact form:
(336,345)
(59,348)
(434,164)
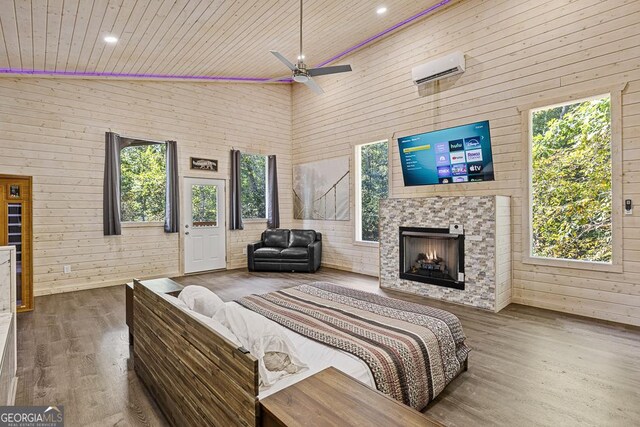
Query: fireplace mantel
(487,252)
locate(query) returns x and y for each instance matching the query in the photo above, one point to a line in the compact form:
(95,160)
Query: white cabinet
(8,346)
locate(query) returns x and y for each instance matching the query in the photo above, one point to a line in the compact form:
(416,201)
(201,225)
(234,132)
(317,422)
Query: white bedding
(318,356)
(314,354)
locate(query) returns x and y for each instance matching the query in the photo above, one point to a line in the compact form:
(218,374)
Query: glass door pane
(14,237)
(204,205)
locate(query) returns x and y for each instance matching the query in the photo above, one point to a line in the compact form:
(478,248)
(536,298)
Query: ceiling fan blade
(314,86)
(284,60)
(329,70)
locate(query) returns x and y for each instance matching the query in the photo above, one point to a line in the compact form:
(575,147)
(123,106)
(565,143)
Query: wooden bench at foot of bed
(196,376)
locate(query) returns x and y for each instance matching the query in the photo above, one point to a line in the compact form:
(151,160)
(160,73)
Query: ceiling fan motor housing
(301,75)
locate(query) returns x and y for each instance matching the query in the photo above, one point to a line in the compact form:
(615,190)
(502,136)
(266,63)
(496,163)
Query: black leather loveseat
(286,250)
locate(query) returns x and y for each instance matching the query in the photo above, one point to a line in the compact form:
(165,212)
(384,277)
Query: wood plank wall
(517,53)
(53,130)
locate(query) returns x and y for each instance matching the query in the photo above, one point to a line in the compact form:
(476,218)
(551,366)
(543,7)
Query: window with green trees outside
(143,181)
(372,181)
(571,177)
(253,186)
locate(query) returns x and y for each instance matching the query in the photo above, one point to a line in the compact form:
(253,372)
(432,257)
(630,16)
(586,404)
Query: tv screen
(447,156)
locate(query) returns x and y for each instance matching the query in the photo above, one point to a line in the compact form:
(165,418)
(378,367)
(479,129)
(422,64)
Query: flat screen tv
(447,156)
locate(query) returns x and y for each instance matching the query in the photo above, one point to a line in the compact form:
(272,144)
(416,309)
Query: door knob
(187,233)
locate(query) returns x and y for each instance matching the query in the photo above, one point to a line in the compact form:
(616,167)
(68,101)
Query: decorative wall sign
(14,191)
(321,190)
(204,164)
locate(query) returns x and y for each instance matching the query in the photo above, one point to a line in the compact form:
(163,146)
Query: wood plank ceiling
(185,37)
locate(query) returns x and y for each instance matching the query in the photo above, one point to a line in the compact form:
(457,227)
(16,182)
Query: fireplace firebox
(432,255)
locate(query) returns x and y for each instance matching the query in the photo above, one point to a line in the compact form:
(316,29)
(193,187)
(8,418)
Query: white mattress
(318,356)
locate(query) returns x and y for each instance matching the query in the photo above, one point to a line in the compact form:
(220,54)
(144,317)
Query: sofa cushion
(296,253)
(301,238)
(267,253)
(276,238)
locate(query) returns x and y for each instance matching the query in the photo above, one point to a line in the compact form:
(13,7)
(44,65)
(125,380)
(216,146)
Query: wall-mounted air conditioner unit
(440,68)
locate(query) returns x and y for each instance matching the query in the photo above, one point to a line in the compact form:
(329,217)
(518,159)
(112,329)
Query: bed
(198,376)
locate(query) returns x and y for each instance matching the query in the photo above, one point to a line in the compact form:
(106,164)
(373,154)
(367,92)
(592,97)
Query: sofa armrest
(255,245)
(315,255)
(251,248)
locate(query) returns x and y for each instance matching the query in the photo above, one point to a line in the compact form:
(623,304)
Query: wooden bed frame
(196,376)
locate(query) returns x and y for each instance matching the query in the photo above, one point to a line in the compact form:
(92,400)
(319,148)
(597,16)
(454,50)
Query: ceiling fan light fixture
(300,78)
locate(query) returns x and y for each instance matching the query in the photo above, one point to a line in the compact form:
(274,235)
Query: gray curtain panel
(273,206)
(235,222)
(172,208)
(111,190)
(114,143)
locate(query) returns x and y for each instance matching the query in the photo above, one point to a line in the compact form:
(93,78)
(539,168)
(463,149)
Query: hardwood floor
(528,366)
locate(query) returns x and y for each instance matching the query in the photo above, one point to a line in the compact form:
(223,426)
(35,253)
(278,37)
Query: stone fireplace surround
(487,257)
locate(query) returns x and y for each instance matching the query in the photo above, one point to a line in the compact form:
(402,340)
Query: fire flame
(432,255)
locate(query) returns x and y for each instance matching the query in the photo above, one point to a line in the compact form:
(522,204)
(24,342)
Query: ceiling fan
(302,74)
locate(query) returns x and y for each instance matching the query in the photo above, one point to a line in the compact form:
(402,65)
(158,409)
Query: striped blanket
(412,350)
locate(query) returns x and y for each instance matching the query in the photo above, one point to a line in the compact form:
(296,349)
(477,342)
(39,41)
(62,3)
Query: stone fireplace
(432,255)
(422,253)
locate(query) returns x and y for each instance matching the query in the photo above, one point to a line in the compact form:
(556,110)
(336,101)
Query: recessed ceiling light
(111,39)
(381,10)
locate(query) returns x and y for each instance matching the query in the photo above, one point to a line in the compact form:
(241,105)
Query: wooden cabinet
(332,398)
(16,231)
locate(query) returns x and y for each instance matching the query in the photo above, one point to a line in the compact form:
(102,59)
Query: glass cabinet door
(14,238)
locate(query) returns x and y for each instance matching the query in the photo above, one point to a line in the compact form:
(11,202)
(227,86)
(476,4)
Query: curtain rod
(144,140)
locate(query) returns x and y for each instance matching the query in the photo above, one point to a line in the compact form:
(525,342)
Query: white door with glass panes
(204,225)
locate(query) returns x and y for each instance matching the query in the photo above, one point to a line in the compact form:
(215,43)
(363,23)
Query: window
(204,205)
(571,170)
(253,182)
(372,184)
(143,183)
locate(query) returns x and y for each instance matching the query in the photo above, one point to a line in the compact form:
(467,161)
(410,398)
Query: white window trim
(357,239)
(266,188)
(615,266)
